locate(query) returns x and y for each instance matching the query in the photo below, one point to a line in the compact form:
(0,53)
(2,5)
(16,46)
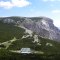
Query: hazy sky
(48,8)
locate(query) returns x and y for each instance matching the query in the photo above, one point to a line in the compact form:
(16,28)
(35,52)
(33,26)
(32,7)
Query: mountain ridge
(43,26)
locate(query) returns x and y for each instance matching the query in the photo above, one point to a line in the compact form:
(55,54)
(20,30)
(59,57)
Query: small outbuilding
(25,51)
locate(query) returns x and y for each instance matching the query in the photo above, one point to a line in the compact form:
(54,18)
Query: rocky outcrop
(42,26)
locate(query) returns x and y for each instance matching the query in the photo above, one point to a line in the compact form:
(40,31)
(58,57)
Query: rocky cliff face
(42,26)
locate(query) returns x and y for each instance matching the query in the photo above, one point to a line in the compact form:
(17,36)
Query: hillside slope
(13,38)
(46,46)
(8,32)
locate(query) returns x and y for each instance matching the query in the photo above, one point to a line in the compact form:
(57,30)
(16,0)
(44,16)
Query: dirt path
(8,43)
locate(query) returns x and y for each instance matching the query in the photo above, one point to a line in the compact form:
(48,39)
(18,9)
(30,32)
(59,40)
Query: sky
(31,8)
